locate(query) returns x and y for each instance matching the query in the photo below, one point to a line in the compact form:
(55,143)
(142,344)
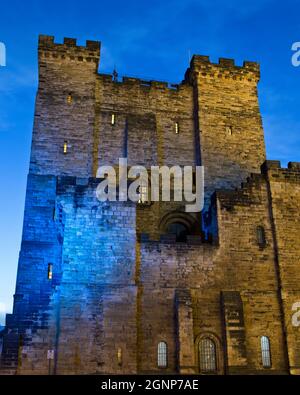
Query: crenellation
(50,51)
(45,40)
(225,62)
(141,83)
(48,42)
(225,68)
(294,165)
(71,42)
(270,164)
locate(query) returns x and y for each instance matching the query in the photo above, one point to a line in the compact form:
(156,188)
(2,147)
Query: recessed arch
(181,224)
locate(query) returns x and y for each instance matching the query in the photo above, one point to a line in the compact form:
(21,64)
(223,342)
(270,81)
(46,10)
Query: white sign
(296,55)
(296,316)
(50,354)
(2,55)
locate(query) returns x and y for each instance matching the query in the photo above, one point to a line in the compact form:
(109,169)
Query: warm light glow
(65,147)
(119,356)
(112,119)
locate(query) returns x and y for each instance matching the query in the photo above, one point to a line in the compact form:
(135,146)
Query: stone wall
(64,70)
(229,122)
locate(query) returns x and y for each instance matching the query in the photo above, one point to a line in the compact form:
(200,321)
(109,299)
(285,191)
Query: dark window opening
(178,229)
(261,237)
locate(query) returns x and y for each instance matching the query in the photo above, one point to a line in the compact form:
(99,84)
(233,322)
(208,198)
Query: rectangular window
(50,271)
(113,119)
(176,127)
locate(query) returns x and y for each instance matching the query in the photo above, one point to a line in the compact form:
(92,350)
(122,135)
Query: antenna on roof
(115,74)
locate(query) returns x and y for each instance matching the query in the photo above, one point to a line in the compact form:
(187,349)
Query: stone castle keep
(123,287)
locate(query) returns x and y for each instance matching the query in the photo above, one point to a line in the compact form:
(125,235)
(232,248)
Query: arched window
(207,355)
(265,351)
(162,355)
(261,237)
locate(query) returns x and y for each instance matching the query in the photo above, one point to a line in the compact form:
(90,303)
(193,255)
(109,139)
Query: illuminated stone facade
(103,283)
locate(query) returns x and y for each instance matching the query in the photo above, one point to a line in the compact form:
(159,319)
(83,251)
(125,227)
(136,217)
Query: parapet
(273,170)
(294,165)
(270,164)
(243,196)
(226,68)
(144,84)
(276,165)
(69,49)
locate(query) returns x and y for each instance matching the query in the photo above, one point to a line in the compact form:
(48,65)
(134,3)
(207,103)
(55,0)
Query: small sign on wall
(50,354)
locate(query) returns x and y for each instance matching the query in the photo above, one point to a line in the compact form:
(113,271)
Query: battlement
(273,169)
(225,68)
(69,49)
(146,84)
(276,165)
(244,195)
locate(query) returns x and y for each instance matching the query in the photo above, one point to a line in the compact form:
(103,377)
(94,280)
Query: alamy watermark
(186,185)
(296,315)
(2,55)
(296,56)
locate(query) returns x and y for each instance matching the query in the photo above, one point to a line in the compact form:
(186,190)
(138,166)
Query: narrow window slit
(65,147)
(119,356)
(50,271)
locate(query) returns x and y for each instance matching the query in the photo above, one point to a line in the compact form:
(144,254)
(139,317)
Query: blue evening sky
(150,39)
